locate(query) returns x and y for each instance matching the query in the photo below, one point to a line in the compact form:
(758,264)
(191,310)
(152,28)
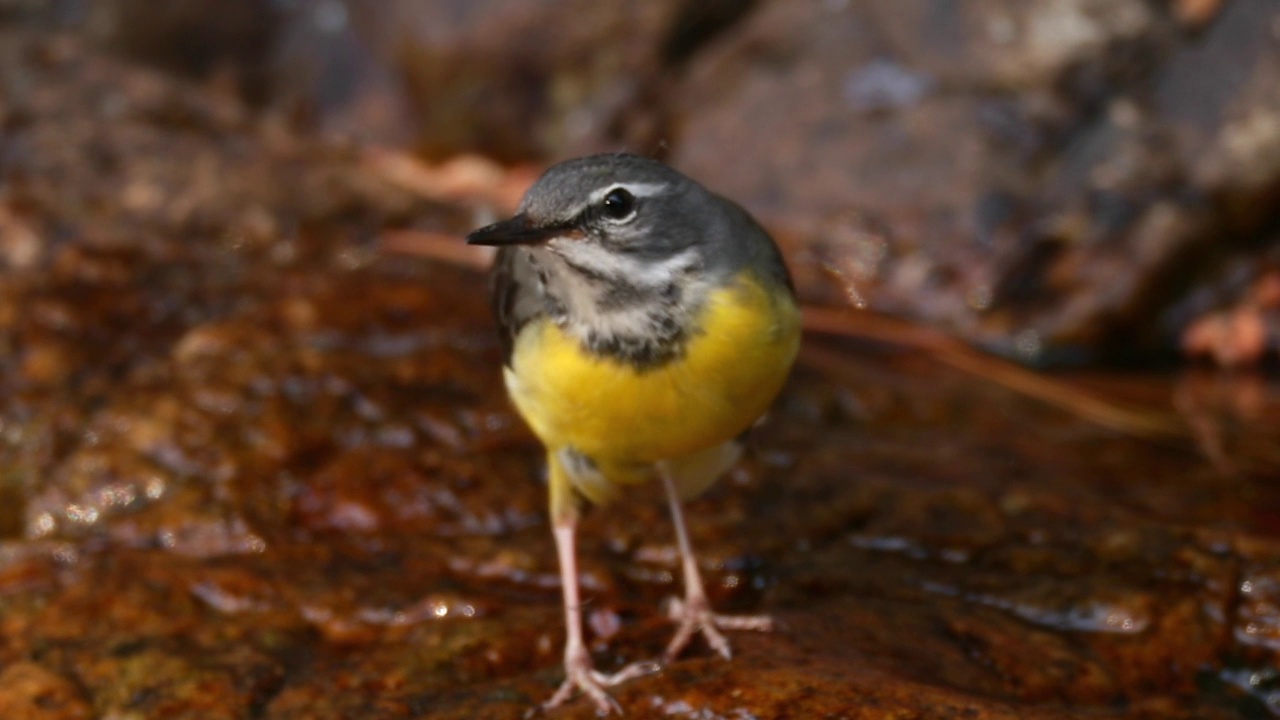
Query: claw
(581,676)
(578,671)
(694,615)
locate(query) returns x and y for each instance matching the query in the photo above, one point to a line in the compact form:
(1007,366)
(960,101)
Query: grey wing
(516,293)
(759,249)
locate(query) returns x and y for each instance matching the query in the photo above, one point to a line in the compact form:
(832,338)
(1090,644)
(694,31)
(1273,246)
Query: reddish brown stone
(278,477)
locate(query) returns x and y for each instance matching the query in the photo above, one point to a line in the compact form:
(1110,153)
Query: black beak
(516,231)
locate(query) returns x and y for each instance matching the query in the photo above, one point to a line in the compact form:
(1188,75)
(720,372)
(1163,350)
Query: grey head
(621,251)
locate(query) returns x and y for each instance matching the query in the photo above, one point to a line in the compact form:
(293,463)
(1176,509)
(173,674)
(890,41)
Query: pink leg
(578,670)
(694,614)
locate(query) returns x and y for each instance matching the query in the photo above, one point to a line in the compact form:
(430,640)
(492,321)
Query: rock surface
(1054,178)
(251,467)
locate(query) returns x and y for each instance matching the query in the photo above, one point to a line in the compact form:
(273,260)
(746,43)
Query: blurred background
(1060,182)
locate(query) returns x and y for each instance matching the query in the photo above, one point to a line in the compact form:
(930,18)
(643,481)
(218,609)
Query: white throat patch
(583,293)
(626,268)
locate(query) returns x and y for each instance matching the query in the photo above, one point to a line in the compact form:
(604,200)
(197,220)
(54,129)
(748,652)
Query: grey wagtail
(646,324)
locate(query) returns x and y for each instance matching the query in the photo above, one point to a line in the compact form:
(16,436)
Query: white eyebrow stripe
(638,272)
(637,189)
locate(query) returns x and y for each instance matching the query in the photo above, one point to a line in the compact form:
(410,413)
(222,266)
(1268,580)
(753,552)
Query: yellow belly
(611,412)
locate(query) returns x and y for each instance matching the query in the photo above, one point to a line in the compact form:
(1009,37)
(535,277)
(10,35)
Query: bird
(646,324)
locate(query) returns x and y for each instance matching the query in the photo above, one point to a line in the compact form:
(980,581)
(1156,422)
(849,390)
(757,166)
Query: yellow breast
(731,370)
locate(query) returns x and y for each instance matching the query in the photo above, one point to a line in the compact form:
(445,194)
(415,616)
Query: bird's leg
(694,613)
(579,673)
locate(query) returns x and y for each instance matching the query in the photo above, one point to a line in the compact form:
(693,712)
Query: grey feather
(516,296)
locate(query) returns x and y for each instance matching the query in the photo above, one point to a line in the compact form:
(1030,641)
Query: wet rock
(521,79)
(1053,179)
(1238,323)
(185,36)
(274,474)
(31,692)
(513,78)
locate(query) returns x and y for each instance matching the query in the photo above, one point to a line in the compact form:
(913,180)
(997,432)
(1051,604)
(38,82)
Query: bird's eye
(619,204)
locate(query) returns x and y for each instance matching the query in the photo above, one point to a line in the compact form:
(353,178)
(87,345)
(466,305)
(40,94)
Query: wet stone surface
(251,467)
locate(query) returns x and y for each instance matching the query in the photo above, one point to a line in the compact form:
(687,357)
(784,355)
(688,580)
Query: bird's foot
(694,615)
(579,675)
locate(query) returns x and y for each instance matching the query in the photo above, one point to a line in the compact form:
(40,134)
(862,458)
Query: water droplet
(882,85)
(1028,344)
(42,525)
(83,514)
(980,297)
(155,488)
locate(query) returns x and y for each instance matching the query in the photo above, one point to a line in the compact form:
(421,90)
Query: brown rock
(277,477)
(1049,175)
(29,691)
(520,78)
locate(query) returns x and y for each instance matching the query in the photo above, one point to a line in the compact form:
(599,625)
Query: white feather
(639,190)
